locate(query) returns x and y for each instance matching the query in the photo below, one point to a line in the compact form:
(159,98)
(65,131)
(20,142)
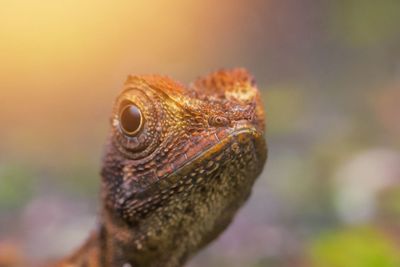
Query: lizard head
(182,159)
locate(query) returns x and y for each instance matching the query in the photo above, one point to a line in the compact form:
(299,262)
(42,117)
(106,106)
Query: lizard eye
(131,119)
(136,123)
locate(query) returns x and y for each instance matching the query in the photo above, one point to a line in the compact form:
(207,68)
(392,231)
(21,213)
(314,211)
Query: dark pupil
(131,118)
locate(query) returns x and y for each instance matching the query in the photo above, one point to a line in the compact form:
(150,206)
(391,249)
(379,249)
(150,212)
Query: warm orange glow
(64,61)
(41,39)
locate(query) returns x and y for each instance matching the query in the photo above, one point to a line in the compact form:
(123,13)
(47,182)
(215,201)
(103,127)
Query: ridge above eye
(131,119)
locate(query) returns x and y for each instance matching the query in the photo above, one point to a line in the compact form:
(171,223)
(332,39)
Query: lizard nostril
(218,121)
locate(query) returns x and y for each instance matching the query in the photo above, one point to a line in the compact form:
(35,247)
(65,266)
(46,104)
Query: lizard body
(179,162)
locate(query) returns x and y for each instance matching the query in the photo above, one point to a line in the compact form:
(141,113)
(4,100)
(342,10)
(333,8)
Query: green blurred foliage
(361,247)
(366,22)
(16,187)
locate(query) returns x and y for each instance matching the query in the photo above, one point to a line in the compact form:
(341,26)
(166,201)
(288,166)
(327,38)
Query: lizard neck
(157,239)
(114,246)
(136,246)
(173,232)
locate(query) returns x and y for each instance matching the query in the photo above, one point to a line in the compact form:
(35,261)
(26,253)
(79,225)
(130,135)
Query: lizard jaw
(238,140)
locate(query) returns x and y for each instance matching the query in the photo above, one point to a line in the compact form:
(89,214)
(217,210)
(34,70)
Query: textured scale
(174,186)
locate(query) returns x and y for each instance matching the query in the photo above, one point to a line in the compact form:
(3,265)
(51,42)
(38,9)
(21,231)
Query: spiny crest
(218,93)
(235,85)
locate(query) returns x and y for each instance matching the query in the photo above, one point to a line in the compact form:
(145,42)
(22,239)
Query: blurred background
(329,72)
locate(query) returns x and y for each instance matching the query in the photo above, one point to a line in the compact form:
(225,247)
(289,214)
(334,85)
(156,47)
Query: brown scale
(175,183)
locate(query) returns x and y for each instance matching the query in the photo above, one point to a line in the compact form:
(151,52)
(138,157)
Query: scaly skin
(173,186)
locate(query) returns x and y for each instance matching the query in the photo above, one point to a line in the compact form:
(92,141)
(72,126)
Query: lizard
(179,163)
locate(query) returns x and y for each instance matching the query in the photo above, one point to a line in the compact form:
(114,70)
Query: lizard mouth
(242,139)
(242,147)
(205,147)
(214,149)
